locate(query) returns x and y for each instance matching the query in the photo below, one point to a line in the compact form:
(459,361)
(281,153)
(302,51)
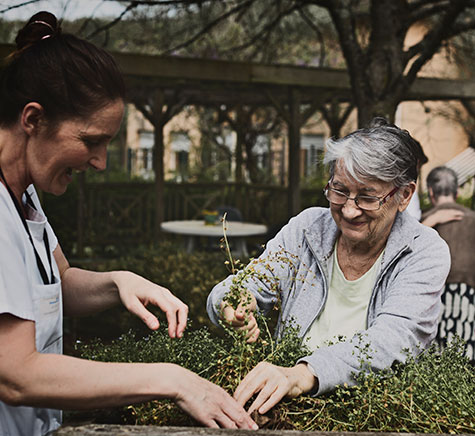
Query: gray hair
(381,152)
(443,181)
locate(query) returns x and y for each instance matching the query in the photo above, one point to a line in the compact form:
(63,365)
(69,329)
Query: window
(312,147)
(140,159)
(262,152)
(180,146)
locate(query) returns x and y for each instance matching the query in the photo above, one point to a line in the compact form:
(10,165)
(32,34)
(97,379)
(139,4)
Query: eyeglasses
(364,202)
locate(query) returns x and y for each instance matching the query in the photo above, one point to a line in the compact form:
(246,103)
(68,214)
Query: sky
(64,9)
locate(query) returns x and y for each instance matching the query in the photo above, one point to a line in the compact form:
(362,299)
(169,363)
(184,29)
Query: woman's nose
(99,159)
(350,209)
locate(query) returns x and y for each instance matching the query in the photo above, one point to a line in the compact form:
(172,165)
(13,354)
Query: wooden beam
(173,71)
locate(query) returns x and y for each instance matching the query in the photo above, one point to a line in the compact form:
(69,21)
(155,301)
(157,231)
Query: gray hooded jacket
(403,309)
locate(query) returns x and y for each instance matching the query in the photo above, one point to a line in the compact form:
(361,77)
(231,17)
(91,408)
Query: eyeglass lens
(363,202)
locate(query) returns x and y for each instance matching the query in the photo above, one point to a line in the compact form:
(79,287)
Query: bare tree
(371,36)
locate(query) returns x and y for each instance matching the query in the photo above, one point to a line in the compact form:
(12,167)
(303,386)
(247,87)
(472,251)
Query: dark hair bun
(379,122)
(42,25)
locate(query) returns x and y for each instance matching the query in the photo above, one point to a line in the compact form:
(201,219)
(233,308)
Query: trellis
(160,86)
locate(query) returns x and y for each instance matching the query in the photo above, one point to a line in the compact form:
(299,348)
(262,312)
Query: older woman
(61,102)
(363,270)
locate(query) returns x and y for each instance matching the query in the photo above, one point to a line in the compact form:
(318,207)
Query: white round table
(237,230)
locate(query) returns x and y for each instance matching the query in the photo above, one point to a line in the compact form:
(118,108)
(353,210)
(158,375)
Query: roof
(211,81)
(464,165)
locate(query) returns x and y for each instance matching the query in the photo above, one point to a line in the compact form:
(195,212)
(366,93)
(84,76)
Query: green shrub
(434,393)
(189,276)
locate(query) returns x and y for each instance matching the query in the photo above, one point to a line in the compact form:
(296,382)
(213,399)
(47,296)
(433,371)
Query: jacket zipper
(325,288)
(378,281)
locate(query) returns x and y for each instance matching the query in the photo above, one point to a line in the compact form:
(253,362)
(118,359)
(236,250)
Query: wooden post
(294,203)
(158,166)
(239,127)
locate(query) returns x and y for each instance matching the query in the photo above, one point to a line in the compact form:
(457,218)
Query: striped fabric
(458,316)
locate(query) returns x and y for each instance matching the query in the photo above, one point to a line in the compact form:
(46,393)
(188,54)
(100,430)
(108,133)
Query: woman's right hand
(242,318)
(211,405)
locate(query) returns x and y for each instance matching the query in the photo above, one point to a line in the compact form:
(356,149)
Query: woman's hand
(136,293)
(209,404)
(273,383)
(242,318)
(443,216)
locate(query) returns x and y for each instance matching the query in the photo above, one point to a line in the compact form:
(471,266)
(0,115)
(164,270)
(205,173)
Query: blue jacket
(403,309)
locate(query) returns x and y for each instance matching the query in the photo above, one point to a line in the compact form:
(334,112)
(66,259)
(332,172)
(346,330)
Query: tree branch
(264,31)
(113,22)
(427,11)
(209,26)
(433,39)
(316,29)
(161,2)
(345,26)
(18,6)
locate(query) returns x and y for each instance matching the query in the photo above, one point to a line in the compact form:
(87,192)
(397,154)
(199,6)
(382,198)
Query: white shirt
(346,307)
(24,295)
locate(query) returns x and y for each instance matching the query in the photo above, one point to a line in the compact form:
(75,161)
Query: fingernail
(255,426)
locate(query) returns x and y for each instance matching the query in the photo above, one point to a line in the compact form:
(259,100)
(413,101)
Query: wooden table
(238,231)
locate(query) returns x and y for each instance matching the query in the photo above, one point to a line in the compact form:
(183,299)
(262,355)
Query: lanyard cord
(41,267)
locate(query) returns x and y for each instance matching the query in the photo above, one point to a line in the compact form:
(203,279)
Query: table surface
(198,228)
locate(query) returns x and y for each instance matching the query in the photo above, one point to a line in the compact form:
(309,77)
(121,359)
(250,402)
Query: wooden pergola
(161,86)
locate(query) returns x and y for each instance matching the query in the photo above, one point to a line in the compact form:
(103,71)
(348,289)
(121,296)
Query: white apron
(48,315)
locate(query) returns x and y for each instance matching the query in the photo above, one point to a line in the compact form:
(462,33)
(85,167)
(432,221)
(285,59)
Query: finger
(249,324)
(263,396)
(239,416)
(138,309)
(248,329)
(228,314)
(225,422)
(210,423)
(250,384)
(253,338)
(230,318)
(172,322)
(182,320)
(241,312)
(279,393)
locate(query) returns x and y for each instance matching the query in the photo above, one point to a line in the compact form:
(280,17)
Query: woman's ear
(32,117)
(406,194)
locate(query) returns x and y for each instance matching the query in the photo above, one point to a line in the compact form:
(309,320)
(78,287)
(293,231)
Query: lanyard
(41,267)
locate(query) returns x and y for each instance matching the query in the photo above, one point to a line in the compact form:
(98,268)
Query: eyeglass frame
(381,200)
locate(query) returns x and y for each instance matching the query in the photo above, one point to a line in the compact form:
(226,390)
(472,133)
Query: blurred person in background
(456,225)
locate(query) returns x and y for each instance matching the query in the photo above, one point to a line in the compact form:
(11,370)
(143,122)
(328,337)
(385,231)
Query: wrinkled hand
(137,292)
(443,216)
(211,405)
(273,383)
(447,215)
(243,318)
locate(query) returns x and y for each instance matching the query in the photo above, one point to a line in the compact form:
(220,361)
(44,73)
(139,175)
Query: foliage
(189,276)
(431,394)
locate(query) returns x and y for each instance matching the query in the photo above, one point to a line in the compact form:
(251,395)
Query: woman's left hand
(273,383)
(137,292)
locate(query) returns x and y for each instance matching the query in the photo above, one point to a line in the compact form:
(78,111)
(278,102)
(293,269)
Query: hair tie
(44,23)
